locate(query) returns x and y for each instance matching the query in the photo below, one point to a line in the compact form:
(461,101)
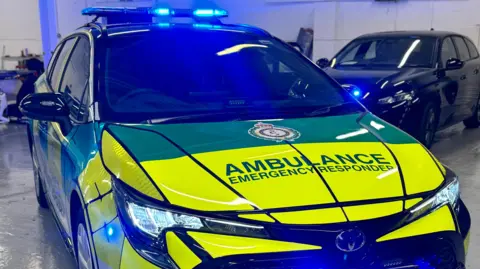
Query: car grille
(429,254)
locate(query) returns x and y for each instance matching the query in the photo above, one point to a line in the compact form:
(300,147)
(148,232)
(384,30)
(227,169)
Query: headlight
(396,98)
(150,219)
(353,89)
(145,223)
(447,195)
(154,221)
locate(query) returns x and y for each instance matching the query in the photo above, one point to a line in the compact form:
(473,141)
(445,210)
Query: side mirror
(46,107)
(323,62)
(453,64)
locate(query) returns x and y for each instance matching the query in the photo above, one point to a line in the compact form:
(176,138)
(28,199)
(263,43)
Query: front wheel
(428,125)
(83,251)
(39,190)
(474,120)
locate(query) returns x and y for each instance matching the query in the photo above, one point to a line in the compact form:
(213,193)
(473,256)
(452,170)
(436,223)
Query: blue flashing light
(423,264)
(164,24)
(210,13)
(162,11)
(356,93)
(110,231)
(206,26)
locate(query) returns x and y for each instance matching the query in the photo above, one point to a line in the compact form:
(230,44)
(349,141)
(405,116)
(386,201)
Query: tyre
(428,125)
(474,120)
(39,190)
(81,239)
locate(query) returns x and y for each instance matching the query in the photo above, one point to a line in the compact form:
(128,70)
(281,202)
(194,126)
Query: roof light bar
(197,14)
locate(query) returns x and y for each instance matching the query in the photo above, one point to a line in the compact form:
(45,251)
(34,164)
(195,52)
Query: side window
(462,48)
(74,84)
(448,51)
(57,66)
(472,48)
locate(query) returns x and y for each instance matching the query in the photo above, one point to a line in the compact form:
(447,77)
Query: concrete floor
(29,238)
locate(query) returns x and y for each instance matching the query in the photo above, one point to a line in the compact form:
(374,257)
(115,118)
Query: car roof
(118,29)
(432,33)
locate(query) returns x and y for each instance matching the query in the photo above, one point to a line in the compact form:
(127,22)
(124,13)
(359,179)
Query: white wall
(335,22)
(20,28)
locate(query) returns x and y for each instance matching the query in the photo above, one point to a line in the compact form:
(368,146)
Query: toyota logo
(350,240)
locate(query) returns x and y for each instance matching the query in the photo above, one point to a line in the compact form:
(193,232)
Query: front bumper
(440,250)
(404,115)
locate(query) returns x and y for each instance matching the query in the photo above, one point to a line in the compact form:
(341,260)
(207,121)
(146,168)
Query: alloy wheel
(36,176)
(83,248)
(478,109)
(430,126)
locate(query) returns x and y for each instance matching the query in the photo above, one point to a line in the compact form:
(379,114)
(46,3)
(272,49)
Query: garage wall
(20,29)
(337,22)
(334,22)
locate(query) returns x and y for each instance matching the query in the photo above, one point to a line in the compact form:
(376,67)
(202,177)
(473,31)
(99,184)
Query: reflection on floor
(29,238)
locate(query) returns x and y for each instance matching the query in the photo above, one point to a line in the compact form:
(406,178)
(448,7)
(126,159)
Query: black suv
(419,81)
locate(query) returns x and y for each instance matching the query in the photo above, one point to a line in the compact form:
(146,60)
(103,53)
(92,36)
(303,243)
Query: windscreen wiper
(328,109)
(232,116)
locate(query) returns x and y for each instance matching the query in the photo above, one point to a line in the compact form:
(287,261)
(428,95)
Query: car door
(467,87)
(449,83)
(475,62)
(49,83)
(67,159)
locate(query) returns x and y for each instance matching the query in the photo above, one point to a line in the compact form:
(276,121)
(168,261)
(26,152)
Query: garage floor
(29,238)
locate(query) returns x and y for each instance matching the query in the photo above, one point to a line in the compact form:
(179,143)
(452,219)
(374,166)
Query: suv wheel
(474,120)
(428,125)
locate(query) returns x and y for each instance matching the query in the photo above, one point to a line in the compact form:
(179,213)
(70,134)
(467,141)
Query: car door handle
(475,71)
(463,77)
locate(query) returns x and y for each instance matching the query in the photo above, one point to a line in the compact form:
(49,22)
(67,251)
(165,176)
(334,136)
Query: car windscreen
(170,73)
(389,52)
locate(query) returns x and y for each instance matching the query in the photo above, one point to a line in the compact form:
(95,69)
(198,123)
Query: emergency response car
(166,144)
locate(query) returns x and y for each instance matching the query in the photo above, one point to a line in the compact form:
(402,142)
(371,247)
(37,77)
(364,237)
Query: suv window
(74,84)
(388,52)
(57,67)
(448,51)
(462,48)
(472,48)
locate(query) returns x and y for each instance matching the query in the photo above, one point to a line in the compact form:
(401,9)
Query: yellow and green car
(210,145)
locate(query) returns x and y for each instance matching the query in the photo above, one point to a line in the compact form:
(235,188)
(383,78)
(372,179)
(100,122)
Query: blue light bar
(197,14)
(207,13)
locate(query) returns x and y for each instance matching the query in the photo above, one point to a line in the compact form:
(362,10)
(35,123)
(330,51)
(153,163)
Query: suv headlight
(447,195)
(145,223)
(396,98)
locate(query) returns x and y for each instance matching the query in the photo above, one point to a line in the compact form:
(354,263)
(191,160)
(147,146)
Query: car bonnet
(356,163)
